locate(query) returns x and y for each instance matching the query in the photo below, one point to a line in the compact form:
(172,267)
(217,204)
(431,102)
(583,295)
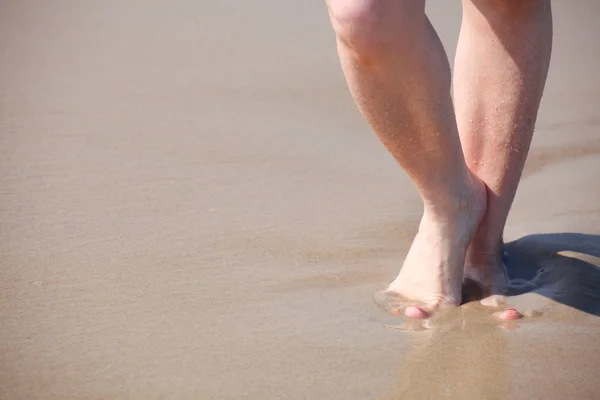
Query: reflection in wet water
(454,364)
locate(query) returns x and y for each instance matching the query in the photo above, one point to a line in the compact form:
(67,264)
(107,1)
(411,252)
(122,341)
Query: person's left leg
(500,72)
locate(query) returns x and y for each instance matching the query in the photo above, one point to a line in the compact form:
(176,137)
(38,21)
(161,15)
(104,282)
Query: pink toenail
(415,312)
(510,314)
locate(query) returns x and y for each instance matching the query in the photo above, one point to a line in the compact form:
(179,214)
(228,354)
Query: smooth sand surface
(191,207)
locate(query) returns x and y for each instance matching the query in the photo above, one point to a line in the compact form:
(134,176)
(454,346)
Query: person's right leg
(399,76)
(501,65)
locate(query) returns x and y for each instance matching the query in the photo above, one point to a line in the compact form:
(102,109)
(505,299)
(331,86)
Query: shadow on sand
(564,267)
(467,354)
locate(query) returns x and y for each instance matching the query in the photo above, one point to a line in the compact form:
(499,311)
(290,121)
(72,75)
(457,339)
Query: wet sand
(192,208)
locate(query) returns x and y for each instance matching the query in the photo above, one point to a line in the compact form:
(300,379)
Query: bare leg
(500,72)
(399,76)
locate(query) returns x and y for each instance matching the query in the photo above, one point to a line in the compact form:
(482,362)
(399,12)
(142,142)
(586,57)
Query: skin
(502,57)
(466,158)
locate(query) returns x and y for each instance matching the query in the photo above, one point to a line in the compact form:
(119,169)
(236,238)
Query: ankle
(450,208)
(467,201)
(485,253)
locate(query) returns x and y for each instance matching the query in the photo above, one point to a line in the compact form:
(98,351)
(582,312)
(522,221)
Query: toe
(390,301)
(510,314)
(495,300)
(416,312)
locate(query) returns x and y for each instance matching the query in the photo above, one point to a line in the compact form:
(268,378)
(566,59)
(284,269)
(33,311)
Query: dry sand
(192,208)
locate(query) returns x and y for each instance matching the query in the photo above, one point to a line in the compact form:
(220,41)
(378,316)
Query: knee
(358,25)
(510,9)
(371,28)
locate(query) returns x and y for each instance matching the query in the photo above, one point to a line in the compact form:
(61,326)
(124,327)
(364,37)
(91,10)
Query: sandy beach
(191,207)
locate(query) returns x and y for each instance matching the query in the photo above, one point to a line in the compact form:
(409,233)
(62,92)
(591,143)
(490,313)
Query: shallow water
(191,207)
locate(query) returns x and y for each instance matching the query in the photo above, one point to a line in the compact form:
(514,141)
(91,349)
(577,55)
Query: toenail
(420,309)
(415,312)
(510,314)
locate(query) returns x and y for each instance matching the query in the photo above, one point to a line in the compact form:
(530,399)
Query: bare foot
(432,272)
(485,277)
